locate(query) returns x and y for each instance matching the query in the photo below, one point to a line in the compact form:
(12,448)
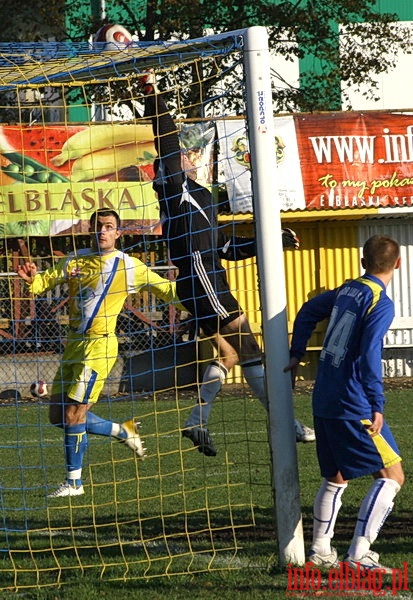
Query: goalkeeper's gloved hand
(290,239)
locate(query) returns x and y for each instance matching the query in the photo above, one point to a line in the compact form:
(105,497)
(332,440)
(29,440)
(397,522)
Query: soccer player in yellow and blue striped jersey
(99,281)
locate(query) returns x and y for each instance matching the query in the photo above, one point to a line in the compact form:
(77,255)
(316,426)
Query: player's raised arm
(168,165)
(27,271)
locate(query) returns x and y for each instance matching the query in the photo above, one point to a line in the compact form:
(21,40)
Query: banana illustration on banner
(102,150)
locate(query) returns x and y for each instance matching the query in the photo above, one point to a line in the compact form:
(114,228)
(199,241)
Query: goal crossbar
(40,63)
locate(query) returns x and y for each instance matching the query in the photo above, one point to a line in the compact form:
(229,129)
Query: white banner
(235,165)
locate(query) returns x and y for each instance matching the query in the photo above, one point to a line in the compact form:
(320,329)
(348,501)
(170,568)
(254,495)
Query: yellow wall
(328,255)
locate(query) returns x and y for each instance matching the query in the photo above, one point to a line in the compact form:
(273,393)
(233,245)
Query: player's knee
(249,349)
(400,478)
(394,473)
(397,474)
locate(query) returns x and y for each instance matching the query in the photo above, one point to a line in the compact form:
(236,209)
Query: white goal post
(273,296)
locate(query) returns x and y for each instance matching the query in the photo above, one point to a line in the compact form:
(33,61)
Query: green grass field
(177,523)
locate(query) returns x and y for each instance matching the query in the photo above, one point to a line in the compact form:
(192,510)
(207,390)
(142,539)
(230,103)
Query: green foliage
(31,20)
(368,44)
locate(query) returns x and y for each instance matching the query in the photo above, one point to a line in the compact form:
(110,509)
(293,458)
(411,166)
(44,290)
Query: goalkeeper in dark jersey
(196,247)
(353,438)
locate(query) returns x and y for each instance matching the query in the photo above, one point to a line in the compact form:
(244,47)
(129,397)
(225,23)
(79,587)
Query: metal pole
(270,258)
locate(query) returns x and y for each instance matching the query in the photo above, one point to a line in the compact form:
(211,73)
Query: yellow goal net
(74,139)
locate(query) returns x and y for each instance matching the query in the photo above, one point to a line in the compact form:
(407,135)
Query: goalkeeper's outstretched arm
(239,248)
(168,164)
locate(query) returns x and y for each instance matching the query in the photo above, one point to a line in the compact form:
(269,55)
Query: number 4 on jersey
(337,336)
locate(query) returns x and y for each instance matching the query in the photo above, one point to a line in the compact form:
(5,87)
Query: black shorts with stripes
(206,295)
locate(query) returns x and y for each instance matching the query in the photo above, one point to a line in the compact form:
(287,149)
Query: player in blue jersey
(99,281)
(196,246)
(352,436)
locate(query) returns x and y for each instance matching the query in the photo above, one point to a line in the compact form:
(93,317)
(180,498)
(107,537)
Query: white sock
(327,503)
(254,374)
(374,510)
(116,429)
(214,377)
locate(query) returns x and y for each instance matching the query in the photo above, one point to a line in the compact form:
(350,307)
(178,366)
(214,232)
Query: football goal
(74,138)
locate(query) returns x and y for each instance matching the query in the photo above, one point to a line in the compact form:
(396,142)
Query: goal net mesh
(62,156)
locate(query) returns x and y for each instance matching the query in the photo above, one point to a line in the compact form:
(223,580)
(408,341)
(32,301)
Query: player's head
(194,139)
(381,254)
(104,229)
(189,166)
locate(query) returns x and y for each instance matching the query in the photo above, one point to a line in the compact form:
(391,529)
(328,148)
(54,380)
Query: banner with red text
(328,161)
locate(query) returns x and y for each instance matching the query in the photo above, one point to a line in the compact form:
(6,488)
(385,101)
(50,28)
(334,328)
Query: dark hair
(380,253)
(104,212)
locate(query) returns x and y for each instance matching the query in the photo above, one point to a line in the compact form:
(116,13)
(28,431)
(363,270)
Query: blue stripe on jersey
(103,295)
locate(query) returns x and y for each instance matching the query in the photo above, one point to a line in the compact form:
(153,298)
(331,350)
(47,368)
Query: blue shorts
(348,446)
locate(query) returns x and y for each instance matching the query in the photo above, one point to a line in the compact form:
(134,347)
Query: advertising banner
(53,177)
(328,161)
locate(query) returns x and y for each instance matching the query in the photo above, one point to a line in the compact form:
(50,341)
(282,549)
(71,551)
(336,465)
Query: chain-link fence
(36,327)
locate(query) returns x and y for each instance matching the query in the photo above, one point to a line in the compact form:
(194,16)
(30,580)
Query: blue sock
(75,447)
(97,425)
